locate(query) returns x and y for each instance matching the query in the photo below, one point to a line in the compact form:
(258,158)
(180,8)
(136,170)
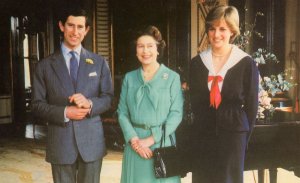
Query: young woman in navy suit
(224,99)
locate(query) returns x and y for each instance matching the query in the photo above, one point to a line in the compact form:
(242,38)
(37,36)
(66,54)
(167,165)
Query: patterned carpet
(22,161)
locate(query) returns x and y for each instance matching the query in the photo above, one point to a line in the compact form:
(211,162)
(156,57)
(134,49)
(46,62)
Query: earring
(157,53)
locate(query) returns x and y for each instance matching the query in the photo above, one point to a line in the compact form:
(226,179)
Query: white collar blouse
(235,56)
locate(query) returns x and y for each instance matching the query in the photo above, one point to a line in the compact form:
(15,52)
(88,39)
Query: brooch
(165,76)
(89,61)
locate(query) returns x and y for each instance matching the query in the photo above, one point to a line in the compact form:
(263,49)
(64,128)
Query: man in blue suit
(71,88)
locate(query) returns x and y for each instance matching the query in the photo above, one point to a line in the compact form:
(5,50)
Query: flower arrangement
(268,85)
(264,103)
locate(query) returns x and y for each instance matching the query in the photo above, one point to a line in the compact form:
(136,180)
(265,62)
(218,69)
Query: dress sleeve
(175,113)
(123,113)
(251,103)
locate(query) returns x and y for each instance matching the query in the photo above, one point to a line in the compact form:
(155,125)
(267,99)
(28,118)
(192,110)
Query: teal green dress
(148,104)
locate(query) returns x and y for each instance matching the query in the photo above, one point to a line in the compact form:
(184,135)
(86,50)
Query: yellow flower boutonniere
(89,61)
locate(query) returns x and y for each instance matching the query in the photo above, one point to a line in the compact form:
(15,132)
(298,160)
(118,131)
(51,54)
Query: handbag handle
(163,137)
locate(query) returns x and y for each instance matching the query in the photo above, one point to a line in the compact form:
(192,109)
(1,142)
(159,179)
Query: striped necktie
(73,68)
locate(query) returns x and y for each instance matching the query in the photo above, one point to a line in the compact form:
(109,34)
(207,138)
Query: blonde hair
(229,14)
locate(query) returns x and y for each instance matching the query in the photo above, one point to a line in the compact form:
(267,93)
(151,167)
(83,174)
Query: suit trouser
(79,172)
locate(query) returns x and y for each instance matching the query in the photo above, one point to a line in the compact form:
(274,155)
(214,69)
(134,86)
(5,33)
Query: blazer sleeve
(251,103)
(40,106)
(102,102)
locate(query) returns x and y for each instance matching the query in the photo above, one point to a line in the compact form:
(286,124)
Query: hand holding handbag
(166,159)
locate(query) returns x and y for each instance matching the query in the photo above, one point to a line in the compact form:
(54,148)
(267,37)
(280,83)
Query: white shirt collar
(235,56)
(65,50)
(66,53)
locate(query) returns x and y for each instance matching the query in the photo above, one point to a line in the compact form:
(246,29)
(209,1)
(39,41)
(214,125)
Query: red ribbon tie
(215,94)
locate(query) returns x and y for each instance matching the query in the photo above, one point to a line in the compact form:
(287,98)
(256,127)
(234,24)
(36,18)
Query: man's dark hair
(73,10)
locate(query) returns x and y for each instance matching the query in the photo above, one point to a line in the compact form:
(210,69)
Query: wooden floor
(22,161)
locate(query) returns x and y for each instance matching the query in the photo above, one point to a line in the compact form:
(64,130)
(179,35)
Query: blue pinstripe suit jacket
(51,88)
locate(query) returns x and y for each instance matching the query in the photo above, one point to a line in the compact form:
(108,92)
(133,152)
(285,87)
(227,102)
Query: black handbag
(166,159)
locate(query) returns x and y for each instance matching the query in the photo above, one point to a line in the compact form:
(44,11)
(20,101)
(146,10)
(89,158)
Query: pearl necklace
(216,55)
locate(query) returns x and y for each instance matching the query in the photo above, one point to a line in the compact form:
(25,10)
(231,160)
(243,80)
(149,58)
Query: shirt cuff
(65,116)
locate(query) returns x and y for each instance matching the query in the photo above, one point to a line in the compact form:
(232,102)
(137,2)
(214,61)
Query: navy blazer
(238,109)
(52,86)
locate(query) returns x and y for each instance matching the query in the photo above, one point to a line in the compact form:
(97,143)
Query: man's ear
(61,26)
(87,29)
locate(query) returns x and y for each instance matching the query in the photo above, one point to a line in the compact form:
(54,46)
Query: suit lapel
(83,71)
(61,70)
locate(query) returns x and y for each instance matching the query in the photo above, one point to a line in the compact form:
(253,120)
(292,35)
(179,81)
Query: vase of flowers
(268,85)
(265,108)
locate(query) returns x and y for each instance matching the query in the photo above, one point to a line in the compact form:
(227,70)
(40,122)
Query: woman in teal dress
(151,96)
